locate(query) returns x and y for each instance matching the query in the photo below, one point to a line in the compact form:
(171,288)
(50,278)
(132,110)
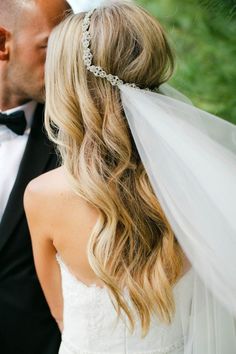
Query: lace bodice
(91,325)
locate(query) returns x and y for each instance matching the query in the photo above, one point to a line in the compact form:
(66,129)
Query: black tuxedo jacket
(26,325)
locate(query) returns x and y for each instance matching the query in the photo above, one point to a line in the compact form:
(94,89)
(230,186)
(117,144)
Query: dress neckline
(93,286)
(66,268)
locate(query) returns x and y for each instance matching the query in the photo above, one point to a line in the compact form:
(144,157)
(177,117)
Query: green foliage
(203,35)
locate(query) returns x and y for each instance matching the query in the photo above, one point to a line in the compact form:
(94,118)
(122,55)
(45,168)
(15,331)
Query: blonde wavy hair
(132,245)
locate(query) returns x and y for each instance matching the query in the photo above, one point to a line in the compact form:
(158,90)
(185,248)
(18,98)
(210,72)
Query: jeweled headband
(88,56)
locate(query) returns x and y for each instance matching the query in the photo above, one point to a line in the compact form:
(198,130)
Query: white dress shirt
(12,147)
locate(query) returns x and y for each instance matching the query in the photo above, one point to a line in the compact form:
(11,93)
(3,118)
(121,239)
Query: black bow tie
(15,121)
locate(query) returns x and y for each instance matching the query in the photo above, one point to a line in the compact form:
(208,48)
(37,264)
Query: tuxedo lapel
(36,156)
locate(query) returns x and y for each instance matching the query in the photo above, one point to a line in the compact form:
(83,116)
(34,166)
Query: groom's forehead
(50,11)
(29,12)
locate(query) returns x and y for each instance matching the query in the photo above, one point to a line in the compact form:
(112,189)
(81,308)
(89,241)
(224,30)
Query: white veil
(190,157)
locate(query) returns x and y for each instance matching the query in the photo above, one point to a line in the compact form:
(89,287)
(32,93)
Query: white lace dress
(91,325)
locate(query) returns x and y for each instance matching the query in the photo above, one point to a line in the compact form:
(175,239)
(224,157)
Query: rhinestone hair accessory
(88,56)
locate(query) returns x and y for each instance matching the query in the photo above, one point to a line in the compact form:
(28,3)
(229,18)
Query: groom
(26,325)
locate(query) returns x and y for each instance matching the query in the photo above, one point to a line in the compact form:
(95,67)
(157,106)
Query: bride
(134,236)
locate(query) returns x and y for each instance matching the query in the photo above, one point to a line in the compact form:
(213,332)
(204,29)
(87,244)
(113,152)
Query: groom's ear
(4,44)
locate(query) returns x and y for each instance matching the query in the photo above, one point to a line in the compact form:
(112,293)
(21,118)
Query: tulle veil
(190,157)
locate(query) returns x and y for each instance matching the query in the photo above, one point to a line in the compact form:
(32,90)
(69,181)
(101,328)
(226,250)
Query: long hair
(132,245)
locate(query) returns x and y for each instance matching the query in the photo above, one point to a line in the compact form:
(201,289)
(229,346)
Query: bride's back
(90,320)
(102,215)
(132,243)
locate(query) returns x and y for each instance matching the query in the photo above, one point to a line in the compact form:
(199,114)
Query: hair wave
(132,244)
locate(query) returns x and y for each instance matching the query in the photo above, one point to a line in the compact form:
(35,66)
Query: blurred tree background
(203,36)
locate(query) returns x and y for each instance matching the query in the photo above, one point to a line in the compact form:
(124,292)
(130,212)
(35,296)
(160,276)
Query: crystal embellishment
(88,56)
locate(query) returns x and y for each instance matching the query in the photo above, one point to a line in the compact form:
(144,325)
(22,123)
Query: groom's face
(28,47)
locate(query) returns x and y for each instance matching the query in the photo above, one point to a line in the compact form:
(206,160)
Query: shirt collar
(28,108)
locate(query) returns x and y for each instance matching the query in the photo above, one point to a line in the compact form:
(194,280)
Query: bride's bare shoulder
(46,185)
(50,196)
(42,192)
